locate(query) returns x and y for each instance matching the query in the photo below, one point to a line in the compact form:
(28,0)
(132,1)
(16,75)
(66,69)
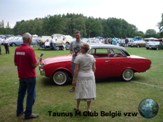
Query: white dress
(85,85)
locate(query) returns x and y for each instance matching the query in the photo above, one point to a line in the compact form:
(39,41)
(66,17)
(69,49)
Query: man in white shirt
(53,42)
(47,43)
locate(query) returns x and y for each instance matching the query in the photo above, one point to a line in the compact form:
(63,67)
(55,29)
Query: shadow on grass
(138,78)
(48,82)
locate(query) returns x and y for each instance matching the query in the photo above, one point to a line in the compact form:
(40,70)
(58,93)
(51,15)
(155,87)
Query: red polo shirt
(24,58)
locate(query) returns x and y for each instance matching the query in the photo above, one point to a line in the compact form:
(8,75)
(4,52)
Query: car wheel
(13,45)
(127,74)
(67,46)
(60,78)
(57,48)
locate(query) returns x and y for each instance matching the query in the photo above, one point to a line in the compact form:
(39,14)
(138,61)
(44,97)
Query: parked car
(138,43)
(60,39)
(154,45)
(111,61)
(91,40)
(16,41)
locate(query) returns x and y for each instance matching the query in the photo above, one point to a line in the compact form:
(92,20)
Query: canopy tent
(152,39)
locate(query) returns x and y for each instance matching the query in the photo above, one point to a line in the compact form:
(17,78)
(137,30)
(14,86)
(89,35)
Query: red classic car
(111,61)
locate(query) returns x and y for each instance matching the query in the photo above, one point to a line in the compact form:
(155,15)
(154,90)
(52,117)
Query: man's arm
(15,62)
(35,62)
(38,61)
(71,48)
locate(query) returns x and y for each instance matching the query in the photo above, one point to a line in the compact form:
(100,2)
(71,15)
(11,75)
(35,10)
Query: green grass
(112,94)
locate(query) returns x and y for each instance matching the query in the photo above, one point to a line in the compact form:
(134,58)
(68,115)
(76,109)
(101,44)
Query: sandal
(89,111)
(76,110)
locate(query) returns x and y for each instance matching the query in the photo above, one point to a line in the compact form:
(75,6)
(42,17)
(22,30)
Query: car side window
(100,52)
(92,51)
(118,53)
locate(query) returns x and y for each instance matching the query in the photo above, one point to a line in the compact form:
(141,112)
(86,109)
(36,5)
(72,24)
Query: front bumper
(42,72)
(151,46)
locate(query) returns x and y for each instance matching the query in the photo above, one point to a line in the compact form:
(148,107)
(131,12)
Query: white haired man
(26,62)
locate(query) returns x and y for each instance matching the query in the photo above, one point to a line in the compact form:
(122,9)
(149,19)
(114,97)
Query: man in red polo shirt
(26,62)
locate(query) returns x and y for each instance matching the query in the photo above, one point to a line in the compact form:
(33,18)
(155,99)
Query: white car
(138,43)
(154,45)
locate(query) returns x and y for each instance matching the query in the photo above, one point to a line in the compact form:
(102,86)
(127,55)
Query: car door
(101,56)
(117,62)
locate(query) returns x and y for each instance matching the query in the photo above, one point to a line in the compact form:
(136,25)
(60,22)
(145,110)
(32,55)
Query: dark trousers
(26,85)
(53,45)
(6,48)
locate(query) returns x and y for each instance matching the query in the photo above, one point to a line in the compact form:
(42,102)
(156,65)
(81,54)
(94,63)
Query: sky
(144,14)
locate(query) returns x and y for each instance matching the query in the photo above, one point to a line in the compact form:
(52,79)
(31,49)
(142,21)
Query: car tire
(67,46)
(127,74)
(13,45)
(60,77)
(57,48)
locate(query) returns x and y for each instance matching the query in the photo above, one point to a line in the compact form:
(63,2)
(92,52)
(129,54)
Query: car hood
(57,59)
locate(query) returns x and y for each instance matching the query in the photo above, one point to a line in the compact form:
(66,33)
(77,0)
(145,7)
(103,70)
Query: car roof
(106,46)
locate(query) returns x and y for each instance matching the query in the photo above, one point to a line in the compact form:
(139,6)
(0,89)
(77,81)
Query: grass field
(112,94)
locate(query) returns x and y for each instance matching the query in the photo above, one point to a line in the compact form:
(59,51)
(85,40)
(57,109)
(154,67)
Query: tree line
(88,26)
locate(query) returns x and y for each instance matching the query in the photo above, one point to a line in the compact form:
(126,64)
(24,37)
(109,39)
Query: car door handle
(107,61)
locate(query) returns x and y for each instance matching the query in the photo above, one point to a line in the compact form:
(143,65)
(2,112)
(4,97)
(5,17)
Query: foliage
(140,33)
(88,26)
(93,27)
(150,33)
(6,30)
(68,24)
(160,24)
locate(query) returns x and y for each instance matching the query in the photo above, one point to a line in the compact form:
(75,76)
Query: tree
(160,24)
(2,24)
(69,23)
(139,33)
(93,27)
(150,33)
(114,27)
(8,25)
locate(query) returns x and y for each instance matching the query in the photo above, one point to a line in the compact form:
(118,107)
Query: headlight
(41,65)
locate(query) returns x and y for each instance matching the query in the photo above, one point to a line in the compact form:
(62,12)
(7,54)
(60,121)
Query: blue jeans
(26,85)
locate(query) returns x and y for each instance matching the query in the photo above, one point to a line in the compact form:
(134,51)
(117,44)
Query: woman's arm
(94,67)
(76,70)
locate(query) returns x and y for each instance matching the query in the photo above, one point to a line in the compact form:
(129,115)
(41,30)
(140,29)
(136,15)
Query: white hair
(27,36)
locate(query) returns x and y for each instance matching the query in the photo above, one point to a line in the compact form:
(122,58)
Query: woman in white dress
(84,78)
